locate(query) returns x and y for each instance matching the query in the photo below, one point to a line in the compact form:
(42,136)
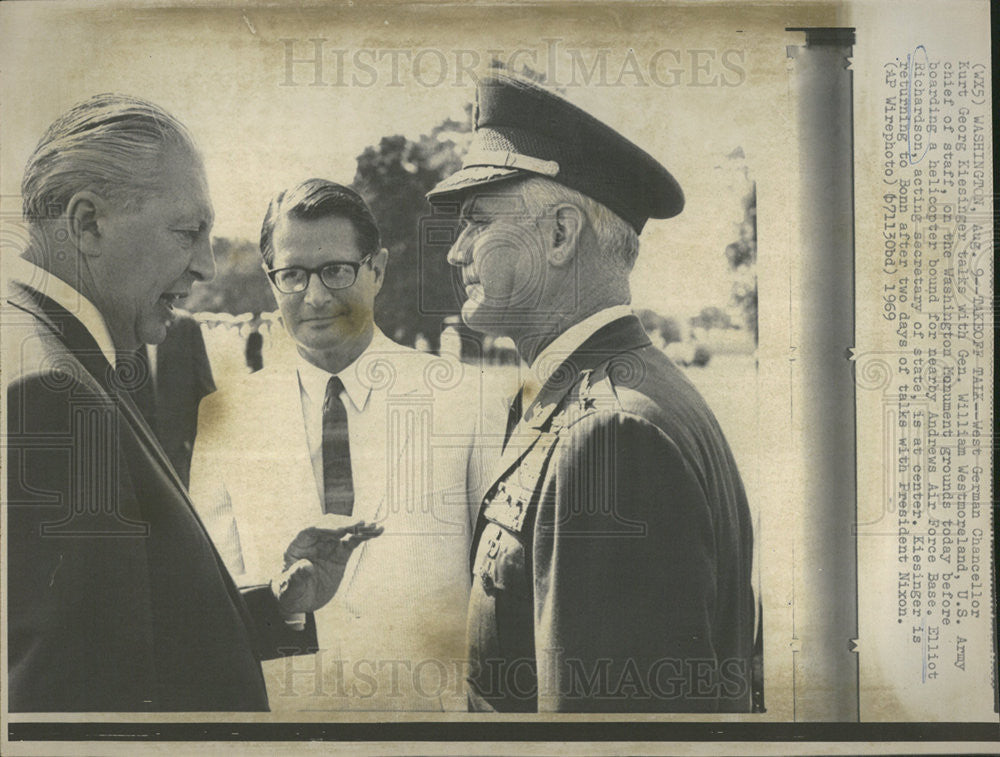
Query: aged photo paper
(828,289)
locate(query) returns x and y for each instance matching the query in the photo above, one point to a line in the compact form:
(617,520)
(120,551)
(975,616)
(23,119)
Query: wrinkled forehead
(182,165)
(181,181)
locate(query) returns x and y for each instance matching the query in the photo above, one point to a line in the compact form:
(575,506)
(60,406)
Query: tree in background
(394,177)
(421,289)
(239,286)
(742,257)
(667,328)
(713,317)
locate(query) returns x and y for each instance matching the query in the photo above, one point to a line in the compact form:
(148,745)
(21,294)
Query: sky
(690,89)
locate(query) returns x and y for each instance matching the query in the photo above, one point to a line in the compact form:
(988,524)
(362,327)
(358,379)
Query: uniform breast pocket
(502,564)
(506,577)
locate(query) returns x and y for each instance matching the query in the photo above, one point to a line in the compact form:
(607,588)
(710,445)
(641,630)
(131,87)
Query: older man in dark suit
(612,554)
(116,598)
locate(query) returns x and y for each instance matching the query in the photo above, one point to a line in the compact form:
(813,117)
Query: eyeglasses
(336,275)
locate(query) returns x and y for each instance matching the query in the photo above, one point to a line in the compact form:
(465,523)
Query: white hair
(617,241)
(110,144)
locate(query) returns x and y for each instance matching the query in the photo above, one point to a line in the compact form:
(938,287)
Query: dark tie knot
(333,389)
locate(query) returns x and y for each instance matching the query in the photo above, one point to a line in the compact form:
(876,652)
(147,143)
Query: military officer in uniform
(611,556)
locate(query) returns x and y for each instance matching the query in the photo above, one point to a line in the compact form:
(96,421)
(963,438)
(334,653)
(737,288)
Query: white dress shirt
(312,392)
(27,273)
(257,479)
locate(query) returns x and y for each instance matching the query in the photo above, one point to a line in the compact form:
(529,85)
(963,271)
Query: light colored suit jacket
(393,637)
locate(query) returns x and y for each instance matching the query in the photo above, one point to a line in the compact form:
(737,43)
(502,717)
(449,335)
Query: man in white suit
(393,639)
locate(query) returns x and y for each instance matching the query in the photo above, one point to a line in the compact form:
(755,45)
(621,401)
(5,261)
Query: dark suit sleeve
(105,611)
(78,606)
(625,581)
(275,637)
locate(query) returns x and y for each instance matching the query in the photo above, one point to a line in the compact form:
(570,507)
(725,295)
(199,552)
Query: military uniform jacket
(116,598)
(611,559)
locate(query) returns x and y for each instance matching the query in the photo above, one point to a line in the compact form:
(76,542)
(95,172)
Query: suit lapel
(67,329)
(79,342)
(285,406)
(136,419)
(622,335)
(404,454)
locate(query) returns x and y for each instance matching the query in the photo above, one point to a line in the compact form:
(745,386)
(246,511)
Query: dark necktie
(338,488)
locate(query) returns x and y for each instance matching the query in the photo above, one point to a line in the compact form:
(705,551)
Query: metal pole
(826,621)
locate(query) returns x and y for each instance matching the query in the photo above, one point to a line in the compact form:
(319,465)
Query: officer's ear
(567,223)
(85,214)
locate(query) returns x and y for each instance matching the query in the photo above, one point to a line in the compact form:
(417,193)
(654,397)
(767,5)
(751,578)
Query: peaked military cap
(523,129)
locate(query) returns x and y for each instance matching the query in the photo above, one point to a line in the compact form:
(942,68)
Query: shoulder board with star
(593,392)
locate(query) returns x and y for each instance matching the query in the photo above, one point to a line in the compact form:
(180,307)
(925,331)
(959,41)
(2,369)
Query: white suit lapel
(274,491)
(299,476)
(396,439)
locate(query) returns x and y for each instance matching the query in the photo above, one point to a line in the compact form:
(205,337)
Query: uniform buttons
(494,547)
(487,578)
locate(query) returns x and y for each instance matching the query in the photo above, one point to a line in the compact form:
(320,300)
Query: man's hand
(315,562)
